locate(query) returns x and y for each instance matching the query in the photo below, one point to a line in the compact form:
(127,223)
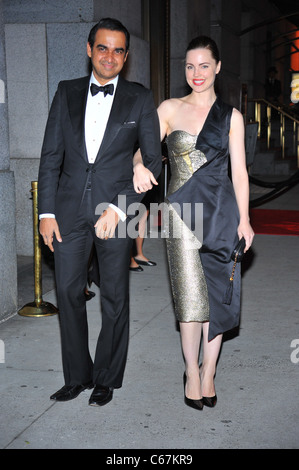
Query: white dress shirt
(97,113)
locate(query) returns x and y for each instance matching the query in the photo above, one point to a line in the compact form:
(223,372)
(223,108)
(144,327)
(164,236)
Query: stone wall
(46,43)
(8,257)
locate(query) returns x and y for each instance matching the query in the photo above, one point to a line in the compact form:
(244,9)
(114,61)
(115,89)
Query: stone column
(225,29)
(8,256)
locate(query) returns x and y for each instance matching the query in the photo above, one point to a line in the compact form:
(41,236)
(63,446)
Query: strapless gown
(199,260)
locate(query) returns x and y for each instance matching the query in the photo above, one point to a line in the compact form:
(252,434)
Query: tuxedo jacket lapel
(121,107)
(77,97)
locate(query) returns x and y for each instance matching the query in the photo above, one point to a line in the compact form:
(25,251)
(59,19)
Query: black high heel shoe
(196,404)
(210,401)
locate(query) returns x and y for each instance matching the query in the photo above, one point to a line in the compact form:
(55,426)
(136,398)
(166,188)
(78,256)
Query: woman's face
(201,69)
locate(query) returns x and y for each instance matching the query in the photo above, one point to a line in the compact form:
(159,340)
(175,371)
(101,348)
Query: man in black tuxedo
(85,188)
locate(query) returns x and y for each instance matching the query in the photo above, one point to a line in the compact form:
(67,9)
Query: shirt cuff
(121,214)
(50,216)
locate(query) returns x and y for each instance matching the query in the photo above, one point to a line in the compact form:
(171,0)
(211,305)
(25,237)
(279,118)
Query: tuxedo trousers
(71,266)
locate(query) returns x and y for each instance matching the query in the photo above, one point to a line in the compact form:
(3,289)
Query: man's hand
(48,227)
(106,224)
(143,179)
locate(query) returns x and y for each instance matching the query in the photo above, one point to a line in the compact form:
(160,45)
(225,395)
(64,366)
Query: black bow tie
(107,89)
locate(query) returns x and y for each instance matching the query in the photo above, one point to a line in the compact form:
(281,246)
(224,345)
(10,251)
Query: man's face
(108,54)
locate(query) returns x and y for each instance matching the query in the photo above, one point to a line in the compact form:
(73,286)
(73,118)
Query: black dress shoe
(68,392)
(145,263)
(101,395)
(89,295)
(137,270)
(196,404)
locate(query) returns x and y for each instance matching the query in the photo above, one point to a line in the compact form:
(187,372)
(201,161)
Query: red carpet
(274,222)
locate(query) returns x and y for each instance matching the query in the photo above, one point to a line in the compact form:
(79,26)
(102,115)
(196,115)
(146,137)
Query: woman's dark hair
(204,42)
(112,25)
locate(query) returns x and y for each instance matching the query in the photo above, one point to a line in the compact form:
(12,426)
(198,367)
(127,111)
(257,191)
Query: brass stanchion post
(38,308)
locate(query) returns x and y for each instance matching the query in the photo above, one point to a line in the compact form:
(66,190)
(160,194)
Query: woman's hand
(245,230)
(143,178)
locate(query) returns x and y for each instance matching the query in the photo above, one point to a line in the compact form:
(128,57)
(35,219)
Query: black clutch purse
(238,251)
(236,257)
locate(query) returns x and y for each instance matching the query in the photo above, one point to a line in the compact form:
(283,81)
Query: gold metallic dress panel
(187,278)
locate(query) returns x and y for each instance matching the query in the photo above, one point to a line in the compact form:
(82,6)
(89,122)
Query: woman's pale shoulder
(237,115)
(236,112)
(236,123)
(170,104)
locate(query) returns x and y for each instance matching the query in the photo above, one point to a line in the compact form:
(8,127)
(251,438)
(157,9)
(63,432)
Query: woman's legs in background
(137,254)
(140,238)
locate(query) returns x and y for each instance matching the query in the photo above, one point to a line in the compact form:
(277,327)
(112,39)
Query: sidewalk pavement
(256,383)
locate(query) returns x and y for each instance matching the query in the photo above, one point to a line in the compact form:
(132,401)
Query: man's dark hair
(111,24)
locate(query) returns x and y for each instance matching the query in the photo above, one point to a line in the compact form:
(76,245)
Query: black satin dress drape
(210,185)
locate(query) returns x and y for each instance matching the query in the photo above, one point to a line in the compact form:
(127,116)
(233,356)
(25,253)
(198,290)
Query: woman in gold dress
(202,133)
